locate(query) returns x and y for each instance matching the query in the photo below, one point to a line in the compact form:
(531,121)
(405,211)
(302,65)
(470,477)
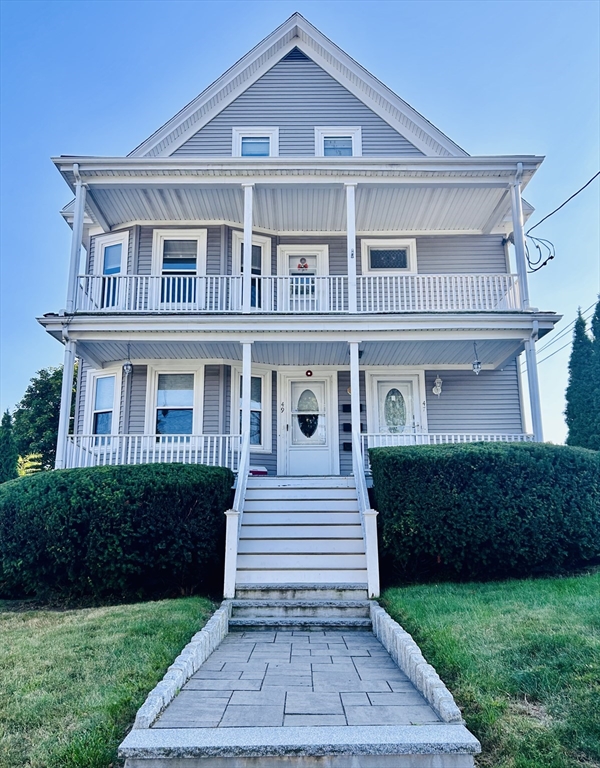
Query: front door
(308,427)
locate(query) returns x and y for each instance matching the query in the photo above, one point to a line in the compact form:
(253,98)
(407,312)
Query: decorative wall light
(476,361)
(128,365)
(437,390)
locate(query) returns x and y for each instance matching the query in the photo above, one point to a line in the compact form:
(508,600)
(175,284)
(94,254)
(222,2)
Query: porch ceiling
(305,194)
(429,354)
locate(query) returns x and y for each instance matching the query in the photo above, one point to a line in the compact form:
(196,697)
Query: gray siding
(346,418)
(82,370)
(135,419)
(461,253)
(212,399)
(489,402)
(143,263)
(296,95)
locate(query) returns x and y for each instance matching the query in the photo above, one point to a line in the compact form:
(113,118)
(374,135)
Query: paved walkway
(297,678)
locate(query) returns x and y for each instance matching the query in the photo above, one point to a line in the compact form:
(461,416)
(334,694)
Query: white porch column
(354,388)
(519,236)
(76,240)
(351,244)
(66,395)
(534,385)
(247,261)
(246,384)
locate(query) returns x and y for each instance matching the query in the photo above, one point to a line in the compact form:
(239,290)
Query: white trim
(295,373)
(90,395)
(332,132)
(174,366)
(160,235)
(367,243)
(102,241)
(375,374)
(320,251)
(297,32)
(264,373)
(237,134)
(237,239)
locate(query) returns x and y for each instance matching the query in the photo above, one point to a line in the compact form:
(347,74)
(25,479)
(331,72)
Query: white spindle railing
(159,293)
(376,440)
(298,294)
(438,293)
(368,518)
(104,450)
(234,522)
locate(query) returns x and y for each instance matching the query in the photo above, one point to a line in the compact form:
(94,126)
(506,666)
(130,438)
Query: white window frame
(337,132)
(267,410)
(237,239)
(102,241)
(237,134)
(90,390)
(321,252)
(392,374)
(409,243)
(158,241)
(175,366)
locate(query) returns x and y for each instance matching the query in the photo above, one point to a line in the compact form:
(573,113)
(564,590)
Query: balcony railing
(298,294)
(378,440)
(102,450)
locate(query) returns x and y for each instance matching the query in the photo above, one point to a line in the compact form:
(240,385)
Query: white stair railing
(234,521)
(368,518)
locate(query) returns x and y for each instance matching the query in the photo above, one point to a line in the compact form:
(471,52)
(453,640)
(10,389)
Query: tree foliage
(36,417)
(8,449)
(582,413)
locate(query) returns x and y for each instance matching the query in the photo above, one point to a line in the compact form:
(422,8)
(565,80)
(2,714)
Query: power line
(562,205)
(566,329)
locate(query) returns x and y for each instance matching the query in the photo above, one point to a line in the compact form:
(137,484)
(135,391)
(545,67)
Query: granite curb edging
(407,655)
(195,653)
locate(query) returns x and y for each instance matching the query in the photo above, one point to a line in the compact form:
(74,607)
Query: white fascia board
(298,32)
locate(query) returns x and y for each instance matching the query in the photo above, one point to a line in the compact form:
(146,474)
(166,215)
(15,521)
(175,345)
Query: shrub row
(113,531)
(486,510)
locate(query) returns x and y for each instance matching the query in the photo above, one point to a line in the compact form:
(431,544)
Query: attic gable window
(255,142)
(338,141)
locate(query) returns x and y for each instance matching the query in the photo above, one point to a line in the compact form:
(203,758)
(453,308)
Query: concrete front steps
(299,530)
(341,607)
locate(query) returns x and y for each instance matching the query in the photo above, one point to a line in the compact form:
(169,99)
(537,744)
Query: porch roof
(303,194)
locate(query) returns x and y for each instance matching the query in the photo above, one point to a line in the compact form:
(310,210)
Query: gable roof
(298,33)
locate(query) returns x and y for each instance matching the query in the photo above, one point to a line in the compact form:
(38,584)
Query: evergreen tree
(36,417)
(580,389)
(595,382)
(8,449)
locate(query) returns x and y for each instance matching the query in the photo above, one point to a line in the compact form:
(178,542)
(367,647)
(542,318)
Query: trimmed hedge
(119,531)
(486,510)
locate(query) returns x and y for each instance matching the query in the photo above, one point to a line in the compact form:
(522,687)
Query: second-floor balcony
(298,294)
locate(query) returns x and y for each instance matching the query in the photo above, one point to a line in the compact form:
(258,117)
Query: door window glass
(308,414)
(395,407)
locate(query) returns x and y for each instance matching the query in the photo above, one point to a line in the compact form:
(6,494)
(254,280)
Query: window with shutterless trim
(255,141)
(338,141)
(260,407)
(110,253)
(388,256)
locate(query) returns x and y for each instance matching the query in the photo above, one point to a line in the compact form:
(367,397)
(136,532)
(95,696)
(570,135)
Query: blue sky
(97,78)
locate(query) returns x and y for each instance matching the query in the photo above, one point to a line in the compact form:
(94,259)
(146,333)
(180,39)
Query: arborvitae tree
(8,449)
(580,389)
(595,382)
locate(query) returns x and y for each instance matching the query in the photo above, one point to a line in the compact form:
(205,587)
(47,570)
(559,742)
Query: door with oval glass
(396,413)
(307,431)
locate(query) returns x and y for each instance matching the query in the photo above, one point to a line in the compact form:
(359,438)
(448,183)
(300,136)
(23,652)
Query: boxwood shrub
(486,510)
(114,531)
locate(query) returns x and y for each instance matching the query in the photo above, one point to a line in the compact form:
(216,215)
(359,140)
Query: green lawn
(522,659)
(72,681)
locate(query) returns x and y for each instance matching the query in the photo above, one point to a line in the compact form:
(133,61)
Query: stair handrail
(368,517)
(234,520)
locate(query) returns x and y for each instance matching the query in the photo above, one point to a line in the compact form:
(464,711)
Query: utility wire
(566,329)
(562,205)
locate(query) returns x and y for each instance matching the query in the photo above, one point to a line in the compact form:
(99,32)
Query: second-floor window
(388,256)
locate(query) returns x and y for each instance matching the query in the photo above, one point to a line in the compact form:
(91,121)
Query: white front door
(308,427)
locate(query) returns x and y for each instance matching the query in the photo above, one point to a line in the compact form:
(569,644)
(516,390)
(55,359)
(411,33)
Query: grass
(72,680)
(522,659)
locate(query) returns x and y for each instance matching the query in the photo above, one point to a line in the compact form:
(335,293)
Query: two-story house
(297,267)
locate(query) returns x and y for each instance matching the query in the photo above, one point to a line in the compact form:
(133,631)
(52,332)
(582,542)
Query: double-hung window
(179,256)
(255,141)
(340,141)
(260,407)
(110,257)
(256,408)
(175,404)
(104,400)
